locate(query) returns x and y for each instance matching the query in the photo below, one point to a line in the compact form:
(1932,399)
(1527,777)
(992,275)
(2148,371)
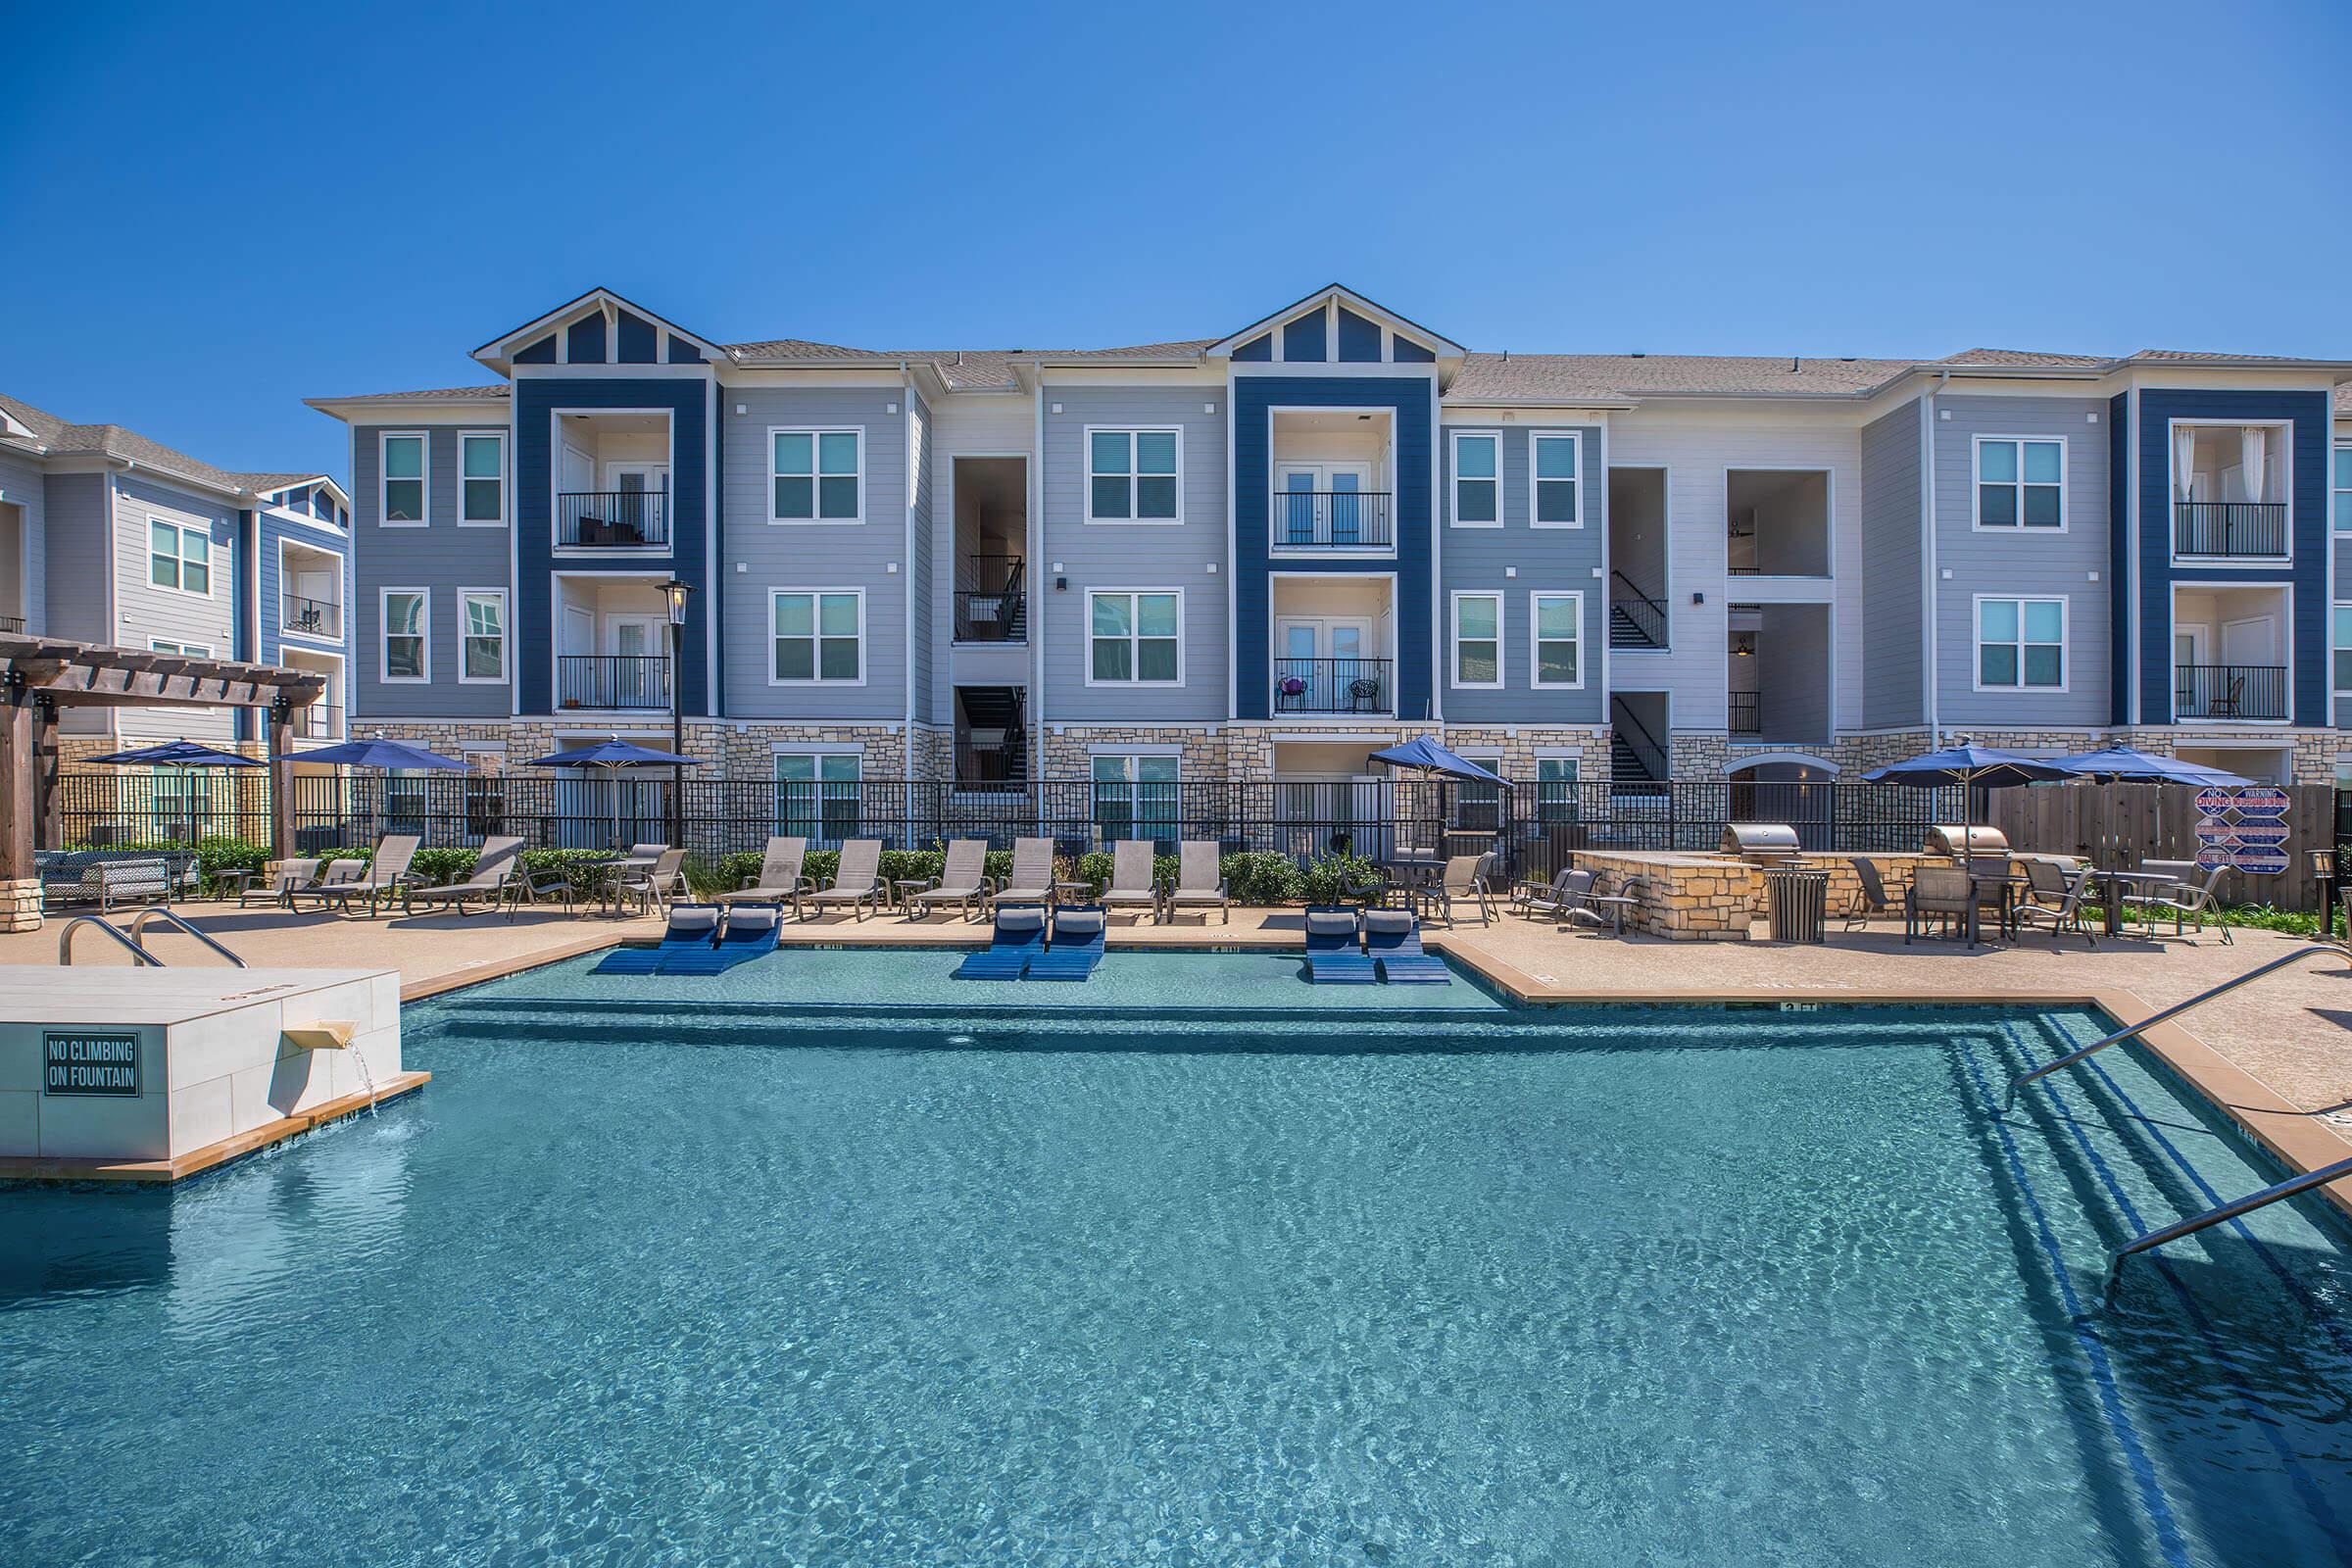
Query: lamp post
(676,593)
(2322,867)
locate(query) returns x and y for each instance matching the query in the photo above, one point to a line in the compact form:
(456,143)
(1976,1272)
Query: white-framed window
(191,649)
(402,487)
(2020,644)
(1555,626)
(816,794)
(1554,479)
(1132,475)
(2021,482)
(2341,489)
(819,636)
(179,557)
(1135,637)
(1555,789)
(481,478)
(1136,794)
(1477,458)
(1478,805)
(2340,647)
(483,660)
(406,619)
(1476,639)
(816,475)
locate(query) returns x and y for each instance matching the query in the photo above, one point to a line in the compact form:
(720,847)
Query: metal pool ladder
(130,938)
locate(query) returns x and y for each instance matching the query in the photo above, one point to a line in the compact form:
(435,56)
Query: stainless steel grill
(1960,843)
(1762,843)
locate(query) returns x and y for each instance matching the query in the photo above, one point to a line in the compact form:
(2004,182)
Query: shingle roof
(2022,357)
(61,438)
(2343,401)
(263,483)
(447,394)
(1612,377)
(962,370)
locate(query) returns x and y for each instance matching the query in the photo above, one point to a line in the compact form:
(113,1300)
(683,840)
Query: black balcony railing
(612,681)
(2230,528)
(613,519)
(311,618)
(1745,718)
(991,600)
(1331,686)
(1332,519)
(2229,691)
(320,722)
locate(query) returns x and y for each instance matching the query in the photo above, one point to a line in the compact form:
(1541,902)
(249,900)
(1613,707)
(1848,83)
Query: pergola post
(48,794)
(281,779)
(20,885)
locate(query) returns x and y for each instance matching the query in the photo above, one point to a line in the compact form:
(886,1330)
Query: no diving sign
(2244,829)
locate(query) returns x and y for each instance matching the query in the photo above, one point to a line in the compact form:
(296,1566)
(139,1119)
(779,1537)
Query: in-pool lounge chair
(691,930)
(1017,941)
(963,881)
(1077,945)
(855,880)
(779,880)
(1199,882)
(745,932)
(494,869)
(1393,941)
(1032,879)
(283,879)
(1131,878)
(1334,956)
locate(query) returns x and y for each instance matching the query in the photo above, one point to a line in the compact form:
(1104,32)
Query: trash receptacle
(1798,904)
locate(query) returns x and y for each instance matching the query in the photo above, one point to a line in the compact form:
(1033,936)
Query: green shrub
(1260,876)
(1095,867)
(1334,878)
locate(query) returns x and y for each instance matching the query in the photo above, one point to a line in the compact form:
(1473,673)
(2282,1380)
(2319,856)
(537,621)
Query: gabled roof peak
(1436,342)
(499,351)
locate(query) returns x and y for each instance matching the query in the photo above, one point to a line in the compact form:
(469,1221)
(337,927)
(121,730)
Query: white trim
(777,748)
(2333,690)
(1535,663)
(179,557)
(2336,449)
(1134,638)
(424,478)
(1976,636)
(2287,641)
(816,635)
(505,637)
(1748,760)
(1453,641)
(343,609)
(1454,476)
(556,550)
(2171,455)
(504,482)
(424,637)
(1135,749)
(1577,438)
(816,475)
(1086,449)
(1977,482)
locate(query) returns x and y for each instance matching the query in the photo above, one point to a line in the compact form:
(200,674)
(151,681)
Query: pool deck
(2277,1056)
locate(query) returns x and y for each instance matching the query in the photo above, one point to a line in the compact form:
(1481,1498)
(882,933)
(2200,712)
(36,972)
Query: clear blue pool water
(837,1261)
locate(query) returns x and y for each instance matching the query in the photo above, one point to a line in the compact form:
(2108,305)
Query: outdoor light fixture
(676,593)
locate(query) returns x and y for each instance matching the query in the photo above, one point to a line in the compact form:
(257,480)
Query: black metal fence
(2229,691)
(612,519)
(2227,528)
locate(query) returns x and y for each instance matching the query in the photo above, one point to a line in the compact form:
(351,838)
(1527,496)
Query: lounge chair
(1018,939)
(1032,878)
(283,878)
(1077,945)
(1577,904)
(1465,878)
(388,875)
(779,880)
(1199,882)
(1133,882)
(1939,896)
(745,932)
(1334,956)
(494,869)
(2189,901)
(1393,941)
(1540,900)
(1871,897)
(963,881)
(691,929)
(654,886)
(2054,898)
(335,884)
(854,885)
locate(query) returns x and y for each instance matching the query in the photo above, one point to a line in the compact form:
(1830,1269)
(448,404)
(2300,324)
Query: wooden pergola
(44,675)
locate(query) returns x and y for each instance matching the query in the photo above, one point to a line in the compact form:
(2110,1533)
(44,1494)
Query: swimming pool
(1190,1265)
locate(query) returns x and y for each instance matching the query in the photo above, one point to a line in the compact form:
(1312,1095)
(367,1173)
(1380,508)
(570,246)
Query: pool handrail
(157,911)
(2232,1209)
(65,942)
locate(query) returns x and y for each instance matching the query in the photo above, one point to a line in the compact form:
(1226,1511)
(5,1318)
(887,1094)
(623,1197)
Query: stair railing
(1652,609)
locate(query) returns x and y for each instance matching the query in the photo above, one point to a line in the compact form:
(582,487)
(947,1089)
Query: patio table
(2121,885)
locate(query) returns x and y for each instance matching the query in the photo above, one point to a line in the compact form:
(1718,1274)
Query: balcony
(2229,691)
(321,721)
(1747,715)
(1332,519)
(1332,686)
(991,600)
(2230,530)
(613,519)
(310,617)
(612,681)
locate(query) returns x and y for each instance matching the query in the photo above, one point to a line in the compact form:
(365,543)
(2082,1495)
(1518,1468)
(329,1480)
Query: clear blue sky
(212,217)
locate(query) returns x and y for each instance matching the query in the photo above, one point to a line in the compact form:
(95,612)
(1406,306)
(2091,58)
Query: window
(2342,495)
(1552,467)
(482,480)
(1477,480)
(408,799)
(179,557)
(2020,483)
(820,637)
(405,629)
(1478,639)
(1555,789)
(1556,623)
(1478,805)
(817,475)
(484,657)
(816,794)
(1131,476)
(2340,648)
(1135,797)
(402,458)
(2020,643)
(179,803)
(1134,638)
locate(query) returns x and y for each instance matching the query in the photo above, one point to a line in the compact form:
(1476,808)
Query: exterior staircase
(992,748)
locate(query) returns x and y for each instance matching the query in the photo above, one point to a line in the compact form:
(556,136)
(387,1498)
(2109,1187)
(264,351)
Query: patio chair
(1939,896)
(1199,882)
(2054,898)
(1577,904)
(1465,878)
(1335,955)
(1870,897)
(1132,883)
(1536,899)
(1032,878)
(961,881)
(779,880)
(1392,942)
(1077,945)
(281,878)
(653,886)
(533,882)
(1018,938)
(2188,903)
(494,870)
(855,880)
(334,885)
(383,875)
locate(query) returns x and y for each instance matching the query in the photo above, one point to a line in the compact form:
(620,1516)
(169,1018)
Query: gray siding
(812,555)
(145,614)
(78,536)
(2023,561)
(1548,560)
(441,559)
(1133,555)
(1894,627)
(920,441)
(22,485)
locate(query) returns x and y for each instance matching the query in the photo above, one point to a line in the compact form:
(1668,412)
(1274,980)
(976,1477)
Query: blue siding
(1413,399)
(1406,352)
(2119,557)
(2308,571)
(1259,348)
(542,352)
(534,607)
(1303,338)
(584,340)
(637,342)
(1359,339)
(682,352)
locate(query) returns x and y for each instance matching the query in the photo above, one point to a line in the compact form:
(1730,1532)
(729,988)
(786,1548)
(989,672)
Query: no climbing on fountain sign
(85,1062)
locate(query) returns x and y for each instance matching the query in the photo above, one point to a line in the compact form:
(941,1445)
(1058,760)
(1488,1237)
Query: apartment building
(109,537)
(1266,554)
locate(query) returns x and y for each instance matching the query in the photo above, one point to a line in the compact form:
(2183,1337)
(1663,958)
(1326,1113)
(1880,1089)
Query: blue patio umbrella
(2128,764)
(611,755)
(1428,756)
(381,753)
(181,754)
(1969,766)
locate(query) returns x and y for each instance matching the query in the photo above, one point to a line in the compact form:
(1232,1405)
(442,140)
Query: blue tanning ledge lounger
(1077,945)
(1392,937)
(691,927)
(751,929)
(1018,939)
(1331,955)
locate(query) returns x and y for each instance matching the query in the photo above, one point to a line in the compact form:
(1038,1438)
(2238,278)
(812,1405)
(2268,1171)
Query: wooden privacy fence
(2119,826)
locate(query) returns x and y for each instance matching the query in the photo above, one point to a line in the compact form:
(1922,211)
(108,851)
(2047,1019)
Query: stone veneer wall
(1699,754)
(729,750)
(1705,898)
(1068,751)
